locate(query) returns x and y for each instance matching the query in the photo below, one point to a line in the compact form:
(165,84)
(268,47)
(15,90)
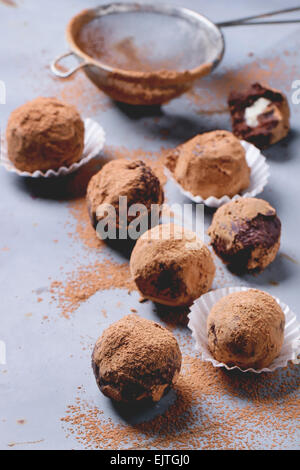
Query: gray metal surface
(46,360)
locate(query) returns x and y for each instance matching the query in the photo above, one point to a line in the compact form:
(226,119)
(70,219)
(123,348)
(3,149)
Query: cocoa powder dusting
(9,3)
(210,94)
(200,417)
(149,80)
(119,353)
(85,281)
(88,97)
(212,409)
(44,133)
(78,211)
(154,159)
(97,41)
(84,230)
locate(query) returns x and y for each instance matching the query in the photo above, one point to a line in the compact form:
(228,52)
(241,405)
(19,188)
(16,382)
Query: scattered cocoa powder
(9,3)
(213,409)
(208,411)
(87,96)
(21,421)
(84,231)
(209,95)
(85,281)
(78,207)
(13,444)
(289,258)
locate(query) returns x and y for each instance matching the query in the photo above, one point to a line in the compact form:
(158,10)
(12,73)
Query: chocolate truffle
(210,164)
(44,134)
(171,266)
(122,177)
(245,234)
(246,329)
(259,115)
(136,359)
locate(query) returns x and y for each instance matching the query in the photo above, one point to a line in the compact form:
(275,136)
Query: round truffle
(259,114)
(136,359)
(210,164)
(132,179)
(171,265)
(245,234)
(246,329)
(44,134)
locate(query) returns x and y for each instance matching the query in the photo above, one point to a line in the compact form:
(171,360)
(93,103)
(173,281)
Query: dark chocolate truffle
(133,179)
(245,234)
(259,115)
(246,329)
(136,359)
(171,265)
(44,134)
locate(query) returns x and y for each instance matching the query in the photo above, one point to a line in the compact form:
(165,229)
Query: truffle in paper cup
(258,179)
(197,323)
(94,138)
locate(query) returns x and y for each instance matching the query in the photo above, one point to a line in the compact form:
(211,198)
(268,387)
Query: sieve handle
(246,21)
(59,73)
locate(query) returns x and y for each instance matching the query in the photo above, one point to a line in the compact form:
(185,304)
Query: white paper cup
(94,139)
(258,179)
(197,323)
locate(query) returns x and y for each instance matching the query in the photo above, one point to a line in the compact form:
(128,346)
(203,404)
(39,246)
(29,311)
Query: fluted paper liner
(94,138)
(197,323)
(258,179)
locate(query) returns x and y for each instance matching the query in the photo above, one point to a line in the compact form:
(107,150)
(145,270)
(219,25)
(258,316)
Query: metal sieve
(172,47)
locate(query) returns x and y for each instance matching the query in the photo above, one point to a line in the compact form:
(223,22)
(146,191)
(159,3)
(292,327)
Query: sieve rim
(171,76)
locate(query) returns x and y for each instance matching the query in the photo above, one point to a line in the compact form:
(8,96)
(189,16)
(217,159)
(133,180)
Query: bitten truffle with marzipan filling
(259,115)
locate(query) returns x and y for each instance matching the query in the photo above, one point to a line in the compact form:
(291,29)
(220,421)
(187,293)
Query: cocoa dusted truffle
(245,234)
(210,164)
(44,134)
(246,329)
(122,177)
(259,115)
(136,359)
(171,266)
